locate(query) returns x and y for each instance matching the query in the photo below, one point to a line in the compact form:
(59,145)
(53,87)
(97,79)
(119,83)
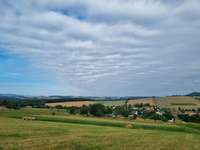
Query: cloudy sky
(99,47)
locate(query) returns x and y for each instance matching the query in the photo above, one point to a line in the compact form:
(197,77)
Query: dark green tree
(97,110)
(84,110)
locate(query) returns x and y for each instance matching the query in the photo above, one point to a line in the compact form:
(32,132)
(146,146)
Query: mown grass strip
(191,125)
(80,121)
(172,128)
(166,128)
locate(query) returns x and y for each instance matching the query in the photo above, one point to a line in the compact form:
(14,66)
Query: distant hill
(189,101)
(58,98)
(194,94)
(12,97)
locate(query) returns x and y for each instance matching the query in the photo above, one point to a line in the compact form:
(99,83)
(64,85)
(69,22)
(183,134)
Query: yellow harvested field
(150,101)
(168,102)
(70,104)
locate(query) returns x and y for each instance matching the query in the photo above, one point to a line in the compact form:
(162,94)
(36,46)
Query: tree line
(144,111)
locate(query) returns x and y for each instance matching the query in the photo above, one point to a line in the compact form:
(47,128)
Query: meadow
(75,132)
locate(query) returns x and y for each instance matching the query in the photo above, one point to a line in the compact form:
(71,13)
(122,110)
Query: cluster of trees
(101,110)
(190,118)
(97,109)
(17,104)
(144,111)
(193,117)
(130,111)
(156,113)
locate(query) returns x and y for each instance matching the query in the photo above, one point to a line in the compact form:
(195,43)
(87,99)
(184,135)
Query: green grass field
(64,131)
(174,102)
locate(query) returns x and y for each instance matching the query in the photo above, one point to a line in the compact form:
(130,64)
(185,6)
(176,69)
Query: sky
(99,47)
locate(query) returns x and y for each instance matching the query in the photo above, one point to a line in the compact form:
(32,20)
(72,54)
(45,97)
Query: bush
(108,110)
(125,111)
(84,110)
(73,110)
(192,118)
(122,110)
(97,110)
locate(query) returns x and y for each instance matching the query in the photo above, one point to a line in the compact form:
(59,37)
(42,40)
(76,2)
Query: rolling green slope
(67,132)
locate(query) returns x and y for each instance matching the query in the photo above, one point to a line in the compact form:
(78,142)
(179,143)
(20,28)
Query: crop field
(150,101)
(179,101)
(74,132)
(112,103)
(169,102)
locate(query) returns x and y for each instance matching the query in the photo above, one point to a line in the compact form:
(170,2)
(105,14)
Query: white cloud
(89,42)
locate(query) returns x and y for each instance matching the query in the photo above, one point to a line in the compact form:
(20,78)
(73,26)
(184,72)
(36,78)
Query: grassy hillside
(87,133)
